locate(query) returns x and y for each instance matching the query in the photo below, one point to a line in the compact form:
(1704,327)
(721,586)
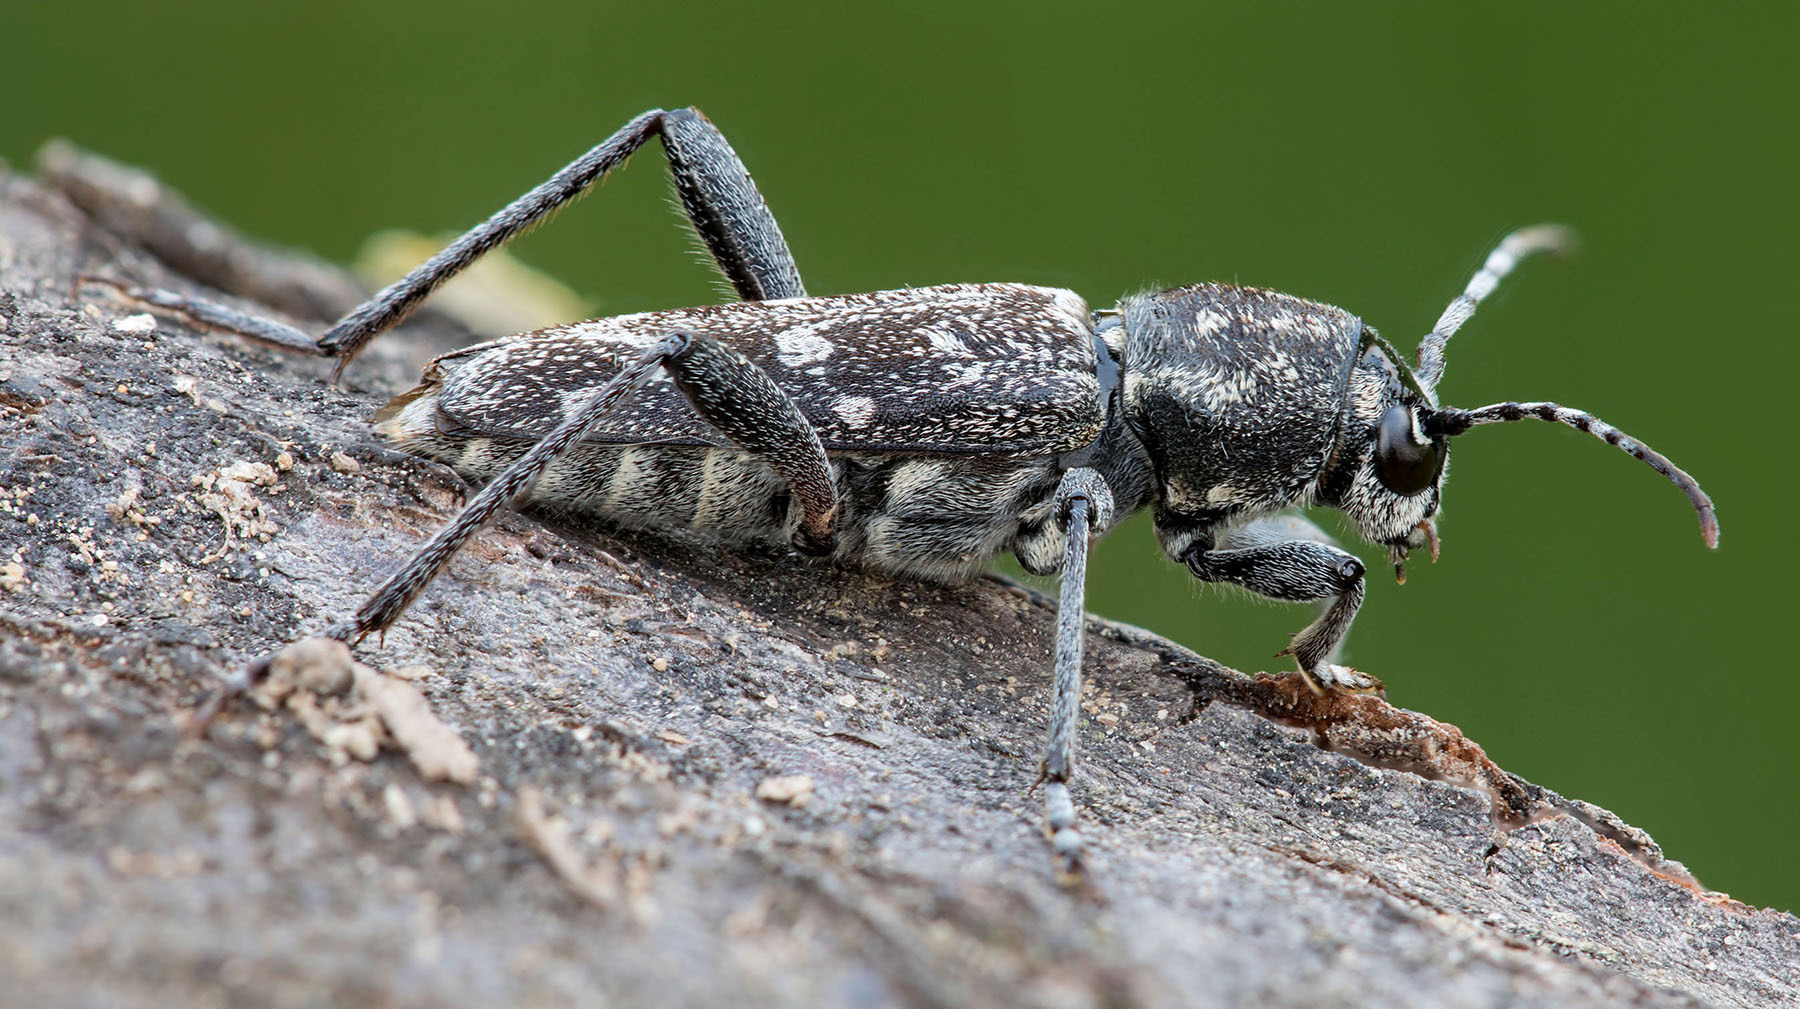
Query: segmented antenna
(1451,422)
(1513,248)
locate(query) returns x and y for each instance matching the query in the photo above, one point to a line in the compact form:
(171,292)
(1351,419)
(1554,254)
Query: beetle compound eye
(1405,461)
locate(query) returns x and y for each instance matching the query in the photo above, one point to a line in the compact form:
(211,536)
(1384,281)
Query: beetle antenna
(1514,247)
(1451,421)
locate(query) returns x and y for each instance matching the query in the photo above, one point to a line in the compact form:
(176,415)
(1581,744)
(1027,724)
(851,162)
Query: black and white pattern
(924,431)
(968,368)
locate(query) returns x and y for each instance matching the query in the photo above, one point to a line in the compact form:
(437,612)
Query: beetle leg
(1085,502)
(213,315)
(727,210)
(716,190)
(729,392)
(393,595)
(745,405)
(391,598)
(1294,570)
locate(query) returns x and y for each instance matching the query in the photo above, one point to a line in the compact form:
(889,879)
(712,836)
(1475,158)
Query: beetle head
(1388,468)
(1392,457)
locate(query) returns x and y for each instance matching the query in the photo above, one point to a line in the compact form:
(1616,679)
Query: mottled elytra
(924,431)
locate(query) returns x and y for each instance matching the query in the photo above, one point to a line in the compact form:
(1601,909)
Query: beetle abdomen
(941,518)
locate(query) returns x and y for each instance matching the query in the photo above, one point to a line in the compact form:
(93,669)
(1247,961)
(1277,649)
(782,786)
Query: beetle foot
(1329,677)
(1065,836)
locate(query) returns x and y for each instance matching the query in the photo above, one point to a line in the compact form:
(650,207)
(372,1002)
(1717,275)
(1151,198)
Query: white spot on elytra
(946,344)
(1210,324)
(609,331)
(1071,304)
(572,400)
(856,411)
(965,374)
(802,346)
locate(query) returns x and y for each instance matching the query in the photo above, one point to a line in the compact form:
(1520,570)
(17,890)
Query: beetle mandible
(925,431)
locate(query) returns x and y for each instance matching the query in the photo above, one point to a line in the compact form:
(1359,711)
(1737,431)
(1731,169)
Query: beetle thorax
(1237,393)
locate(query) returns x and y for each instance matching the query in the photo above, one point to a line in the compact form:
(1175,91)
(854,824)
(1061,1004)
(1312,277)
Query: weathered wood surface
(172,503)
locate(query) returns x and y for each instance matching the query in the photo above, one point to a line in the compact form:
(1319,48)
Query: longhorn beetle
(924,431)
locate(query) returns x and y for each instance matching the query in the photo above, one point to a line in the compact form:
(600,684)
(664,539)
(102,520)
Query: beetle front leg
(1295,570)
(1085,502)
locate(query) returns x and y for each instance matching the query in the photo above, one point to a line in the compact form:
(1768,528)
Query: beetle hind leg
(213,315)
(728,391)
(715,188)
(716,191)
(726,210)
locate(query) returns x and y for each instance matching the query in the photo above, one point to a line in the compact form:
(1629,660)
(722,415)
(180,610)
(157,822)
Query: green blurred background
(1365,155)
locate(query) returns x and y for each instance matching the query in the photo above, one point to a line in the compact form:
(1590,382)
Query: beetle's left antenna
(1500,262)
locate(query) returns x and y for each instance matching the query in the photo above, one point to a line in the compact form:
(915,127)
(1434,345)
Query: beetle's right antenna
(1513,248)
(1450,422)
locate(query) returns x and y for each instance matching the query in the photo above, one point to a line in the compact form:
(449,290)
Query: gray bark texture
(589,768)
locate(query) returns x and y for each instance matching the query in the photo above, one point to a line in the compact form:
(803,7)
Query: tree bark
(686,776)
